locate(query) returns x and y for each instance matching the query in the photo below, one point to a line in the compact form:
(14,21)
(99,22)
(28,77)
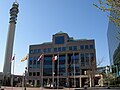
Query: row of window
(48,72)
(60,49)
(63,57)
(71,65)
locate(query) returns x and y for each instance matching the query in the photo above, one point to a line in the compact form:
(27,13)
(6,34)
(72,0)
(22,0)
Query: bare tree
(112,7)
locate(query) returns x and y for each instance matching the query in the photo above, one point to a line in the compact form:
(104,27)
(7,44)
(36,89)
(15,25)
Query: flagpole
(42,71)
(13,71)
(74,68)
(41,74)
(58,72)
(53,73)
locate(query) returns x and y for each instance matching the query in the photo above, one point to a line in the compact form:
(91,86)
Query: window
(82,57)
(92,56)
(62,57)
(74,47)
(63,48)
(35,50)
(59,40)
(30,62)
(34,62)
(49,49)
(31,58)
(38,82)
(31,51)
(30,66)
(91,46)
(70,47)
(34,66)
(86,46)
(34,73)
(30,73)
(34,58)
(55,49)
(38,73)
(39,50)
(59,49)
(82,47)
(87,58)
(45,50)
(38,65)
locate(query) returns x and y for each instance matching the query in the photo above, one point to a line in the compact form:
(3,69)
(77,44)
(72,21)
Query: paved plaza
(93,88)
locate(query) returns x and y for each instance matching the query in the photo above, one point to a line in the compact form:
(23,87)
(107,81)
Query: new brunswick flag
(24,58)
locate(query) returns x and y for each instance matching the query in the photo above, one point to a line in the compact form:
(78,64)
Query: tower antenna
(16,1)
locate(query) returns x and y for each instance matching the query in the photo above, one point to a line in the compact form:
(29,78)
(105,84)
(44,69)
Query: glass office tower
(114,46)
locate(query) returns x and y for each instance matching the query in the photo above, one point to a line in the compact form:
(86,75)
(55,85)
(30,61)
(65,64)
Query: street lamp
(107,72)
(25,77)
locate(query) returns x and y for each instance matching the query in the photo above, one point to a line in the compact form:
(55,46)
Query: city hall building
(74,67)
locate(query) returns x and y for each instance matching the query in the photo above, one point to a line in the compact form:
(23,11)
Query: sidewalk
(89,88)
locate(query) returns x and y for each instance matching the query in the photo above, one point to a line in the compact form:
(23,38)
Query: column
(90,81)
(80,82)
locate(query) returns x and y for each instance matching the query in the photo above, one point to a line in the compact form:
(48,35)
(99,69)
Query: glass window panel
(82,57)
(31,51)
(59,40)
(34,66)
(74,47)
(86,47)
(39,50)
(38,73)
(30,73)
(91,46)
(34,62)
(30,62)
(59,49)
(30,58)
(55,49)
(34,73)
(81,46)
(70,47)
(34,58)
(92,56)
(63,48)
(35,50)
(49,49)
(45,50)
(30,66)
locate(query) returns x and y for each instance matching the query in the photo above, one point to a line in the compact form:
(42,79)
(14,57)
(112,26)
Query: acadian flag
(24,58)
(41,57)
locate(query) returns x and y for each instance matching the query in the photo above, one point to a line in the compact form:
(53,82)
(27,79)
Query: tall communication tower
(10,38)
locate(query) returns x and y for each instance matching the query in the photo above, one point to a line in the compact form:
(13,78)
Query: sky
(38,20)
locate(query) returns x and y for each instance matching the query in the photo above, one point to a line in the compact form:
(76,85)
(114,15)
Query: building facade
(114,46)
(74,67)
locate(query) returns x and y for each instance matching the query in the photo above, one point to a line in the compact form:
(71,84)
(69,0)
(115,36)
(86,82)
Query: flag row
(41,57)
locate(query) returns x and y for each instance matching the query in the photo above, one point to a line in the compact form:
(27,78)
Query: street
(22,88)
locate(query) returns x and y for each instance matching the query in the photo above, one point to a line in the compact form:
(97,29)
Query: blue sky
(38,20)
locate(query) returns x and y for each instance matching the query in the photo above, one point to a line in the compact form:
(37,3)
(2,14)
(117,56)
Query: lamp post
(107,72)
(25,78)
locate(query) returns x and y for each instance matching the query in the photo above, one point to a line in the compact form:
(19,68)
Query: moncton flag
(41,57)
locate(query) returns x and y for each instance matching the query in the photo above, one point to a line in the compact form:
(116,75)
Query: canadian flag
(41,57)
(55,58)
